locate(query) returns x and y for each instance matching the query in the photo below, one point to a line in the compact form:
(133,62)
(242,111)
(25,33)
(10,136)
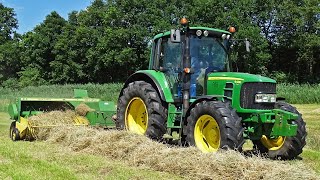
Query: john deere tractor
(189,93)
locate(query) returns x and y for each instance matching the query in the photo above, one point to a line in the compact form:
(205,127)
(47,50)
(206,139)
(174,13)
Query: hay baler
(89,111)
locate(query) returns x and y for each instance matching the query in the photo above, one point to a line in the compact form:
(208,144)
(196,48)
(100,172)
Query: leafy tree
(297,41)
(39,45)
(9,47)
(8,23)
(109,40)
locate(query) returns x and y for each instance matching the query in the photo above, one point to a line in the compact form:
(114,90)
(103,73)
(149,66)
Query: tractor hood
(240,77)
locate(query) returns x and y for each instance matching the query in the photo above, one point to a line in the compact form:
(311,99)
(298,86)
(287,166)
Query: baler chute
(89,111)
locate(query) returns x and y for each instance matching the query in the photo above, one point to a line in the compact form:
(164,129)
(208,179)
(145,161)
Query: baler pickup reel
(26,113)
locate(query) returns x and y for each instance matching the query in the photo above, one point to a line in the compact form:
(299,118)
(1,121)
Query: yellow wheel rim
(273,144)
(207,134)
(136,117)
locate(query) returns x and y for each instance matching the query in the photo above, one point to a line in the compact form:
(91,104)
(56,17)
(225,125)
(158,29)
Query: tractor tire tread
(157,112)
(293,146)
(230,129)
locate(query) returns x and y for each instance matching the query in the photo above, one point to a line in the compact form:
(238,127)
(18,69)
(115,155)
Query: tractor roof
(167,33)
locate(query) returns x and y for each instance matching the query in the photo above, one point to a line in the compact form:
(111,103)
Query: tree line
(109,40)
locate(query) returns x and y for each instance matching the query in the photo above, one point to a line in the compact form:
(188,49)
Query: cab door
(167,58)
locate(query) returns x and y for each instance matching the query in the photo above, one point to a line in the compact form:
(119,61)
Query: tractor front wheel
(284,147)
(214,125)
(140,110)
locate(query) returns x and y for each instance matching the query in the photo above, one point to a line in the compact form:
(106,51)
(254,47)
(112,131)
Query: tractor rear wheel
(140,110)
(214,125)
(284,147)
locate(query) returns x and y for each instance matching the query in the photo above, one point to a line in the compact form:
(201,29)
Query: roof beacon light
(232,29)
(184,21)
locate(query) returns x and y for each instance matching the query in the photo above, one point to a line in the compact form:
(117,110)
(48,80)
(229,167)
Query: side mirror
(247,43)
(175,36)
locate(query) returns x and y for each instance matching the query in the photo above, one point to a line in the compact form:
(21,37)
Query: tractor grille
(249,90)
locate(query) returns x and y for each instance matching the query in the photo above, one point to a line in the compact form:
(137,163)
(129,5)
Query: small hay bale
(83,109)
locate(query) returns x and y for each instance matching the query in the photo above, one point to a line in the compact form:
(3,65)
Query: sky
(32,12)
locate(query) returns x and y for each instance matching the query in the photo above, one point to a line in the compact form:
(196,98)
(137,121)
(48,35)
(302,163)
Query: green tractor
(189,93)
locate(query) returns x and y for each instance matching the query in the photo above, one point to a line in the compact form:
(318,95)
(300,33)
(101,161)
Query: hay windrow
(189,163)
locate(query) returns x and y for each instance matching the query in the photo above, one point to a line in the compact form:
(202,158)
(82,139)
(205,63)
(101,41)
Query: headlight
(265,98)
(205,33)
(199,32)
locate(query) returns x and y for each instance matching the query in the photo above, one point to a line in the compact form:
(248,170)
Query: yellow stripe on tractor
(225,78)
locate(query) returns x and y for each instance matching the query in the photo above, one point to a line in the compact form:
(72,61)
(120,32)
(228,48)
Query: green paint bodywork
(217,86)
(160,79)
(174,117)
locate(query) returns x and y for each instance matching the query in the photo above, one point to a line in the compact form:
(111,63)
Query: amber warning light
(187,70)
(232,29)
(184,21)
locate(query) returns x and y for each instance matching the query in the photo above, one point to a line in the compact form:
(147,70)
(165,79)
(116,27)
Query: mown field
(56,159)
(42,160)
(91,154)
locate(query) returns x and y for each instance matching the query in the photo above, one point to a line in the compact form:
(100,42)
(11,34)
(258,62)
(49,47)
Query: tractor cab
(208,52)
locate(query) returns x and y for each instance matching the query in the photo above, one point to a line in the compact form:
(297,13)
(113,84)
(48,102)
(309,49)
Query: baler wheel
(214,125)
(140,110)
(14,132)
(284,147)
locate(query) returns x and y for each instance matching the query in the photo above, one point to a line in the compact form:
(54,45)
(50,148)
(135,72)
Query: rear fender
(156,79)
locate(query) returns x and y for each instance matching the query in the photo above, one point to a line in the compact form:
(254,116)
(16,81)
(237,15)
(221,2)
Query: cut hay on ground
(189,163)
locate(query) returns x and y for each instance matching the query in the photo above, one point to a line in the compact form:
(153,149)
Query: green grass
(42,160)
(299,94)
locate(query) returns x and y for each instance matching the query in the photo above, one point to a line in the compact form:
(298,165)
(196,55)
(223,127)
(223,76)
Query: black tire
(14,132)
(156,109)
(230,126)
(292,146)
(13,125)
